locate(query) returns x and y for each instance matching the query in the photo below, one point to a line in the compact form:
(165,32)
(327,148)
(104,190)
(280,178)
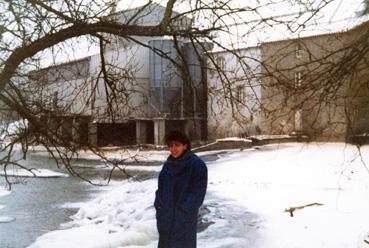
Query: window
(299,50)
(55,100)
(240,94)
(220,62)
(298,79)
(298,120)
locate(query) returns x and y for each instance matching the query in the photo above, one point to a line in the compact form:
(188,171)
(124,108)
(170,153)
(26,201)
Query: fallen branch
(366,241)
(292,209)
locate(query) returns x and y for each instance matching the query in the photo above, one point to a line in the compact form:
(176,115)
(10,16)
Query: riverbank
(248,194)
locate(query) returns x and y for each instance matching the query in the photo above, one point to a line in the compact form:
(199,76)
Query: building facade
(316,85)
(234,93)
(139,88)
(134,92)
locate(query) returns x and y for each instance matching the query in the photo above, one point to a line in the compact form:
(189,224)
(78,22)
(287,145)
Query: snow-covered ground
(111,153)
(4,192)
(292,175)
(20,172)
(245,206)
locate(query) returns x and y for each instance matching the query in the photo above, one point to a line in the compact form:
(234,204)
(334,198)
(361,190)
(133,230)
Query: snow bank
(20,172)
(6,219)
(119,217)
(282,176)
(129,155)
(234,139)
(279,136)
(4,192)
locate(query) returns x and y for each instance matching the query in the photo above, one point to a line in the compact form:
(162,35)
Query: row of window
(220,60)
(240,94)
(240,90)
(299,50)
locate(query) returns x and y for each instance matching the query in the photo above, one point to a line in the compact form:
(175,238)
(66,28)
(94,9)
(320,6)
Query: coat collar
(184,156)
(176,165)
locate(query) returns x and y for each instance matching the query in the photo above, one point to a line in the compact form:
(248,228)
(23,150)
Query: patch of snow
(362,135)
(10,129)
(143,168)
(121,216)
(71,205)
(6,219)
(128,155)
(129,168)
(234,139)
(218,152)
(20,172)
(4,192)
(263,137)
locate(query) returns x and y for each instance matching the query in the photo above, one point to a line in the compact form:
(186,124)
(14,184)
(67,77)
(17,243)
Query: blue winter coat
(181,190)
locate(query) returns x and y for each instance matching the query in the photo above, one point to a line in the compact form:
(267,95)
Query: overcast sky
(337,15)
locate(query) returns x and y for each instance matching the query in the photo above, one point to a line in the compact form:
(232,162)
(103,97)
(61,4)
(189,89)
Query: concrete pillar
(141,134)
(193,129)
(75,133)
(92,133)
(159,131)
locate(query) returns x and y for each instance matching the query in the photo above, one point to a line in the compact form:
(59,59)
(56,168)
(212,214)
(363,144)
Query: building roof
(268,36)
(142,11)
(65,63)
(348,27)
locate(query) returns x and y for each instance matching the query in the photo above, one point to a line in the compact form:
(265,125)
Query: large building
(133,92)
(316,85)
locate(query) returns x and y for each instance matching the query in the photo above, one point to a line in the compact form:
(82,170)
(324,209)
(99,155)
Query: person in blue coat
(181,190)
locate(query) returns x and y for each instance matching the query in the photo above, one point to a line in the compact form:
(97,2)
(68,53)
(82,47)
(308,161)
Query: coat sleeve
(197,194)
(158,192)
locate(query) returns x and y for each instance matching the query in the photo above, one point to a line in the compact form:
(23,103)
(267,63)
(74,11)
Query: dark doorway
(82,129)
(174,125)
(150,132)
(116,134)
(66,128)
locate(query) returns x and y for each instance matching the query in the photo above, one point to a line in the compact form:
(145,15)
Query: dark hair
(177,135)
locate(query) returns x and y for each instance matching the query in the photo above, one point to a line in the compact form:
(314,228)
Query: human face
(176,148)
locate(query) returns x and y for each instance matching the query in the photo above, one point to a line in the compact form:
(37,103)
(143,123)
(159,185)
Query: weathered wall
(129,70)
(227,114)
(320,103)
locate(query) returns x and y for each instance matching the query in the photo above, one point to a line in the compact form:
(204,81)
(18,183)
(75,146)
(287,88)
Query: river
(41,205)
